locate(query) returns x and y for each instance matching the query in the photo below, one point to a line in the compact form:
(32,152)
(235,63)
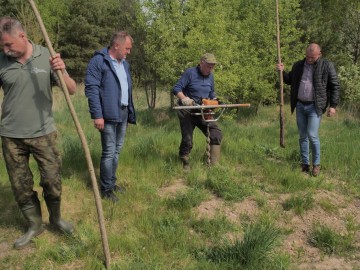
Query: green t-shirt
(27,104)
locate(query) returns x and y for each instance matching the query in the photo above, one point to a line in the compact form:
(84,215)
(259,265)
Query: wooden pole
(282,117)
(82,138)
(196,107)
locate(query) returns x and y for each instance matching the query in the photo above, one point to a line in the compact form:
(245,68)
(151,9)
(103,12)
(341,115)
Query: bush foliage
(171,35)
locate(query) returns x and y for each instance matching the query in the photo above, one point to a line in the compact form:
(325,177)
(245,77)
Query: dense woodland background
(256,210)
(170,36)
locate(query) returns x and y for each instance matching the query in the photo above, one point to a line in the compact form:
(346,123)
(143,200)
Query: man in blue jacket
(108,87)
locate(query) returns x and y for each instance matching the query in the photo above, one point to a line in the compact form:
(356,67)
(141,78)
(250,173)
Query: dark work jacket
(325,82)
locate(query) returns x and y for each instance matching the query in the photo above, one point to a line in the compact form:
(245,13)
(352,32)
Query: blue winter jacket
(103,90)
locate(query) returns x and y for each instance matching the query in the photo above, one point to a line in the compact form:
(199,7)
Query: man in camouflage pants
(27,126)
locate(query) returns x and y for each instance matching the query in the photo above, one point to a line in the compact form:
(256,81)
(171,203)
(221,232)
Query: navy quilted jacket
(103,90)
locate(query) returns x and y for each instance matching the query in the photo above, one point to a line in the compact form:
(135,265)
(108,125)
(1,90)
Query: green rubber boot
(55,219)
(214,154)
(32,213)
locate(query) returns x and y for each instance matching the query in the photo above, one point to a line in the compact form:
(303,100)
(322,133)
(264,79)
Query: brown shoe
(305,168)
(316,170)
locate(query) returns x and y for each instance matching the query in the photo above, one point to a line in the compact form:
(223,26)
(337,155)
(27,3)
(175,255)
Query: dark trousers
(188,122)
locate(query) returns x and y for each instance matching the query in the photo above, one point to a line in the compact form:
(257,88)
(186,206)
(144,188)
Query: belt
(305,102)
(123,107)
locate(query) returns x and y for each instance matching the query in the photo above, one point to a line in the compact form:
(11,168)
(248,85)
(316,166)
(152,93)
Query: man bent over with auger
(195,84)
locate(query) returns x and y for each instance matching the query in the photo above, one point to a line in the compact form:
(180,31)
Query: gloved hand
(187,101)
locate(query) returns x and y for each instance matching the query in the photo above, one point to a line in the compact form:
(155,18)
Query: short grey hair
(9,25)
(120,36)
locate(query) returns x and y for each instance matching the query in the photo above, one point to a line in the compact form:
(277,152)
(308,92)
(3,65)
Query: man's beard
(12,54)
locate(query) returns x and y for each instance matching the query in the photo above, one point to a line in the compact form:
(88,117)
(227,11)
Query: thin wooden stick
(82,138)
(282,117)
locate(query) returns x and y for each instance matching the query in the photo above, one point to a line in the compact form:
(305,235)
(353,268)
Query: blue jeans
(308,122)
(112,140)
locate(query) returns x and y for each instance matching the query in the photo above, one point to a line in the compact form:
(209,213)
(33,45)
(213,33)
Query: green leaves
(171,35)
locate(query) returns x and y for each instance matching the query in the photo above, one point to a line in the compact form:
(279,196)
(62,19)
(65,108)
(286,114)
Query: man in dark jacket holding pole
(108,87)
(314,87)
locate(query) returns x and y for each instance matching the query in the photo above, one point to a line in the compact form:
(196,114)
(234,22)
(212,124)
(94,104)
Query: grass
(299,203)
(252,252)
(186,200)
(149,231)
(332,242)
(213,228)
(224,183)
(328,206)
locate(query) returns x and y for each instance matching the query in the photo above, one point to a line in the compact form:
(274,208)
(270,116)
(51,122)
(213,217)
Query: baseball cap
(208,58)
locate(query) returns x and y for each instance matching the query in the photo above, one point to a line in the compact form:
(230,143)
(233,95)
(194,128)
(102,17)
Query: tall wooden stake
(82,138)
(282,117)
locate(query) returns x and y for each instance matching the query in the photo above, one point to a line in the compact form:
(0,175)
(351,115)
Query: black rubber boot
(55,220)
(32,213)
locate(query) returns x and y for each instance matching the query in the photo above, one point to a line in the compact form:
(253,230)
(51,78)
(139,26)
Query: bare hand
(280,67)
(57,63)
(331,112)
(99,123)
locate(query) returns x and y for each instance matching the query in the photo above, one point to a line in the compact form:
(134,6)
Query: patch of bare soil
(7,238)
(4,249)
(235,212)
(297,244)
(176,187)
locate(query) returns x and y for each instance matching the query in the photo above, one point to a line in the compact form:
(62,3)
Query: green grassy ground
(168,219)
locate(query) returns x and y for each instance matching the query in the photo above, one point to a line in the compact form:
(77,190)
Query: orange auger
(206,101)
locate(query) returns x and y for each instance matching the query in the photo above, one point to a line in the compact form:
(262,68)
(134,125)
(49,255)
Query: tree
(51,11)
(162,46)
(332,24)
(251,68)
(171,35)
(351,32)
(83,30)
(22,11)
(240,33)
(89,25)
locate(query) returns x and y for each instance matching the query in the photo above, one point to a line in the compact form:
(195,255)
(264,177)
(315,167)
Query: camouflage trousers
(17,153)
